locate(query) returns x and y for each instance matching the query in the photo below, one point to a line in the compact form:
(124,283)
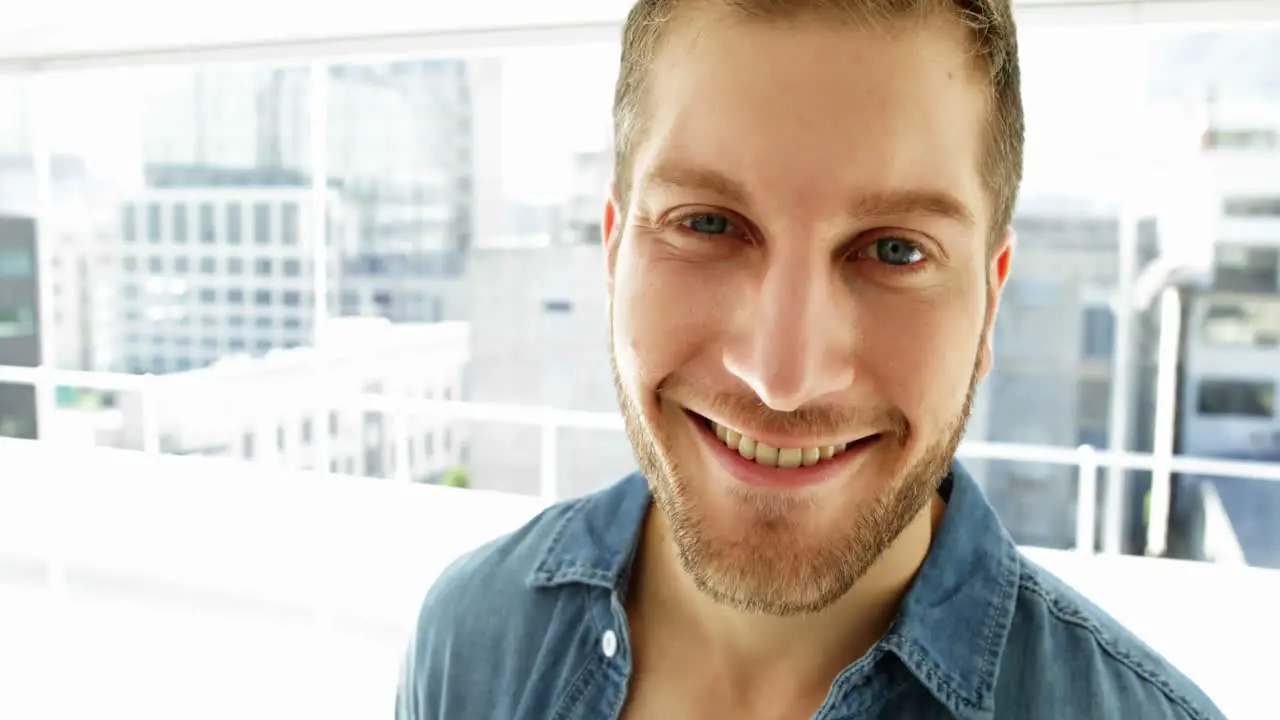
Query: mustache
(747,411)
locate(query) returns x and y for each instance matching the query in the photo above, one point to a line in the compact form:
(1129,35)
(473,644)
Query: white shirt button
(609,643)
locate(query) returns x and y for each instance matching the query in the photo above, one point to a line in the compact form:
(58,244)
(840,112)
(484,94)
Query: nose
(792,341)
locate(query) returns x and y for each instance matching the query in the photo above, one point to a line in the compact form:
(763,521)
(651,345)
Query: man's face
(801,278)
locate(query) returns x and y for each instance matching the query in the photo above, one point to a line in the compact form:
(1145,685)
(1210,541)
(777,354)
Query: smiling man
(806,245)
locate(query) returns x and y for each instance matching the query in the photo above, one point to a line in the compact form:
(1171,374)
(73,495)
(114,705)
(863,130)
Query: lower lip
(750,472)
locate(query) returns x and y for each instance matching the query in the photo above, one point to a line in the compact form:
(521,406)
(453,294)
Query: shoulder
(479,608)
(1069,649)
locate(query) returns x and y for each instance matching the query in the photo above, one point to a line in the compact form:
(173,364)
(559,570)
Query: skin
(805,255)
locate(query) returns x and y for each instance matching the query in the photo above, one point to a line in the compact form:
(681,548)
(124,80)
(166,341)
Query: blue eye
(708,224)
(896,251)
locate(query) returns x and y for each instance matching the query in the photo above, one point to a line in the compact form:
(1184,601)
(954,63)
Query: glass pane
(475,192)
(151,221)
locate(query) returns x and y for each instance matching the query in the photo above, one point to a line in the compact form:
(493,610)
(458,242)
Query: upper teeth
(752,449)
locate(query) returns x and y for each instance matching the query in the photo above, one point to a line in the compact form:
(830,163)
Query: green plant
(457,477)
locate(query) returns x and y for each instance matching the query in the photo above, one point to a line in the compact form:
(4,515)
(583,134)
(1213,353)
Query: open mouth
(779,457)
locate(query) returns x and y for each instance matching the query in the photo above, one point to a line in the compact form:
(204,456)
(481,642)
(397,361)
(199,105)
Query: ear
(611,229)
(997,275)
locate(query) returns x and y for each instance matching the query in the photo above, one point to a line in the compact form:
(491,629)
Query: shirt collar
(950,631)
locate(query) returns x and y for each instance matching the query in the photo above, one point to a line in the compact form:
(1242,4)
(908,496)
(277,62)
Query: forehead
(804,110)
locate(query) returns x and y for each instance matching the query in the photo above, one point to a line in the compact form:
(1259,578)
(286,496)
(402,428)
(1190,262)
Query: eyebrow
(874,205)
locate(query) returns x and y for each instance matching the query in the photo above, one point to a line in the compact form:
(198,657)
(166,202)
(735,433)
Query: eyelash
(681,224)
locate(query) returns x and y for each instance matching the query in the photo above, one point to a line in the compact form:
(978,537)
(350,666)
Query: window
(155,265)
(1249,207)
(1099,333)
(262,267)
(262,224)
(155,223)
(129,263)
(264,322)
(262,297)
(291,298)
(16,322)
(128,223)
(208,297)
(235,224)
(557,307)
(1245,269)
(235,296)
(1239,398)
(208,266)
(1250,322)
(291,268)
(180,224)
(16,264)
(289,223)
(181,265)
(235,266)
(208,233)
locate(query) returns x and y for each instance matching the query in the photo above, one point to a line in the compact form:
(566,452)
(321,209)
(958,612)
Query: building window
(246,446)
(181,265)
(235,225)
(292,298)
(306,430)
(280,439)
(1246,269)
(557,307)
(1099,333)
(1239,398)
(130,264)
(208,233)
(235,266)
(17,264)
(154,220)
(208,266)
(262,267)
(128,223)
(1242,322)
(289,223)
(263,322)
(291,268)
(235,296)
(262,224)
(262,297)
(292,324)
(208,297)
(1251,207)
(155,265)
(180,224)
(16,322)
(235,321)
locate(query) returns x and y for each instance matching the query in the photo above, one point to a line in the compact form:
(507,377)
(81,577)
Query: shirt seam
(1069,613)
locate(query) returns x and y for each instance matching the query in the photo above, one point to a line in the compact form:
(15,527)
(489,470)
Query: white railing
(1087,460)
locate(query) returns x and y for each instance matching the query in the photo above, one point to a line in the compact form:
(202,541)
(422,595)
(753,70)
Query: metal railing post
(1086,500)
(549,476)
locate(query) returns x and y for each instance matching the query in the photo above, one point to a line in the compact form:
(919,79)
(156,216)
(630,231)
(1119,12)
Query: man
(806,244)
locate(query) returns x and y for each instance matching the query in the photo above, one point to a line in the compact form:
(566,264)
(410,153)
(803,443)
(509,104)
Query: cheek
(921,355)
(660,318)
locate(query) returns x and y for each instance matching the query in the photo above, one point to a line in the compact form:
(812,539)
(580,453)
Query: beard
(778,565)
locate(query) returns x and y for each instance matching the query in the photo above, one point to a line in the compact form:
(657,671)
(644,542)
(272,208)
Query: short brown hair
(991,30)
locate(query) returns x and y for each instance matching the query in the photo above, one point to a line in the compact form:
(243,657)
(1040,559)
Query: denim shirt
(532,626)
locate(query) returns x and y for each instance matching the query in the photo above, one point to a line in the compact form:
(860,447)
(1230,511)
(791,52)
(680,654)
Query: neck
(802,653)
